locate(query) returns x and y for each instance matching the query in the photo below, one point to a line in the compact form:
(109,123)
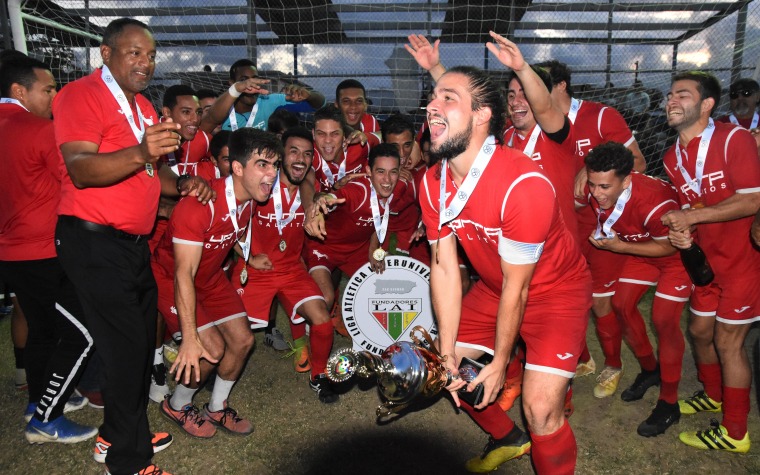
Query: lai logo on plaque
(381,309)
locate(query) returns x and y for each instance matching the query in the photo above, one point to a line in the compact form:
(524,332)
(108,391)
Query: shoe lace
(151,470)
(228,412)
(191,414)
(490,445)
(293,350)
(699,396)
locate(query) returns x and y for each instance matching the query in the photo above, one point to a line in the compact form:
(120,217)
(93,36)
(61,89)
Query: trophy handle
(429,344)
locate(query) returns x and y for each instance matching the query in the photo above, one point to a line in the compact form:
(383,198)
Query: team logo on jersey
(380,309)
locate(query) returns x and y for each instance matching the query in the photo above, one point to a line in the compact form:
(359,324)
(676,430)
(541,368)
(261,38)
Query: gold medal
(243,276)
(379,254)
(283,245)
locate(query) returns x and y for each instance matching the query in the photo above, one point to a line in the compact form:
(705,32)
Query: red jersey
(86,111)
(409,214)
(354,157)
(731,166)
(746,123)
(640,221)
(512,208)
(191,158)
(265,236)
(209,226)
(369,124)
(596,124)
(558,164)
(350,225)
(31,184)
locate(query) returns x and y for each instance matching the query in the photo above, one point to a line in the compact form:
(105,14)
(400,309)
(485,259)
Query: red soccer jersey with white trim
(209,226)
(350,225)
(266,238)
(731,166)
(369,123)
(596,124)
(190,155)
(743,122)
(640,222)
(516,201)
(558,164)
(355,157)
(31,184)
(86,111)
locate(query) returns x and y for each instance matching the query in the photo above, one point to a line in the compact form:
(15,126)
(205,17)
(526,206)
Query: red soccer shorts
(553,328)
(215,304)
(736,302)
(292,287)
(605,268)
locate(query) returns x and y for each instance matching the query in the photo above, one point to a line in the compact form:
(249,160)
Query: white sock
(158,355)
(220,394)
(182,397)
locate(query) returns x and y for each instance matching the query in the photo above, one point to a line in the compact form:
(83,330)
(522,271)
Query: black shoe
(321,385)
(644,381)
(663,416)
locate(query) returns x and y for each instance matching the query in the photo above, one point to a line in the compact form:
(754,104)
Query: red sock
(735,411)
(320,342)
(710,377)
(491,419)
(297,330)
(666,318)
(648,362)
(585,355)
(554,454)
(610,338)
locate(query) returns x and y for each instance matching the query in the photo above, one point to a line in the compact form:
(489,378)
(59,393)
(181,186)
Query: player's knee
(701,332)
(543,416)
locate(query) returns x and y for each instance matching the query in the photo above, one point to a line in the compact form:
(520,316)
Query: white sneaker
(158,387)
(276,340)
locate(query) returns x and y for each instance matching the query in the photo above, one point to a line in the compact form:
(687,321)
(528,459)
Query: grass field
(295,434)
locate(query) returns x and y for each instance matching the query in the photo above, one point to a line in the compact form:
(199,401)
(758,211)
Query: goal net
(610,46)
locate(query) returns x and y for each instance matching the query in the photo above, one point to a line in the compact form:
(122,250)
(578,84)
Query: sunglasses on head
(745,93)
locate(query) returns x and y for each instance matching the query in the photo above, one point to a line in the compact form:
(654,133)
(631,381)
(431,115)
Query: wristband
(234,92)
(182,179)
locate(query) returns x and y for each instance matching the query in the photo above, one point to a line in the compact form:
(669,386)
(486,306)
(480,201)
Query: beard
(452,147)
(690,117)
(290,178)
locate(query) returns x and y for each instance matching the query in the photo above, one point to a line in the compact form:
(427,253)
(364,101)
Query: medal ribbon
(173,160)
(753,125)
(118,94)
(277,198)
(229,194)
(575,106)
(248,123)
(341,168)
(381,222)
(468,185)
(696,184)
(604,230)
(531,145)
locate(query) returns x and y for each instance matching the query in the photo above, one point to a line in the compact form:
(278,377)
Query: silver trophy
(404,370)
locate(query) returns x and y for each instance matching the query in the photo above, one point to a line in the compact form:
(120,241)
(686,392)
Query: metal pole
(608,75)
(295,61)
(741,30)
(250,40)
(674,64)
(5,27)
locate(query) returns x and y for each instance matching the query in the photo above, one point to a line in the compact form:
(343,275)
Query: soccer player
(399,130)
(336,162)
(351,99)
(594,124)
(219,152)
(276,268)
(111,140)
(181,105)
(247,103)
(628,206)
(715,168)
(58,343)
(504,212)
(356,228)
(198,301)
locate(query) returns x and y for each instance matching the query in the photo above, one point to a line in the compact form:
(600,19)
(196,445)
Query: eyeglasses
(744,93)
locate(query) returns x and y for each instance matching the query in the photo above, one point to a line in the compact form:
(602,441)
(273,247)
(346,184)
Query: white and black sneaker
(158,387)
(321,385)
